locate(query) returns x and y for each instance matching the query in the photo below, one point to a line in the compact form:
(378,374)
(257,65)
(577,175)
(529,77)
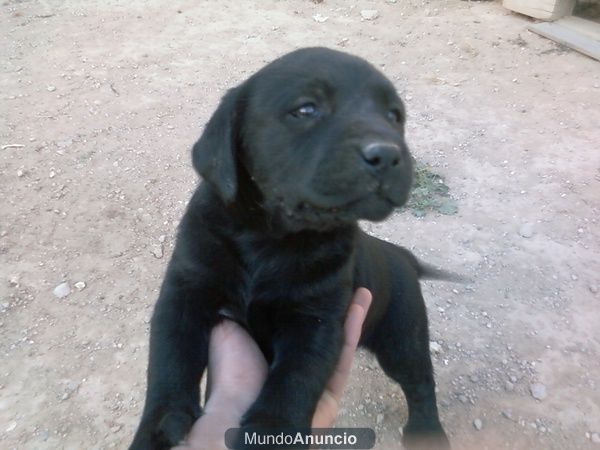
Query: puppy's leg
(401,343)
(305,352)
(178,355)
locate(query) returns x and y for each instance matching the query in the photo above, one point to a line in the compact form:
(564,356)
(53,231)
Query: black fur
(291,159)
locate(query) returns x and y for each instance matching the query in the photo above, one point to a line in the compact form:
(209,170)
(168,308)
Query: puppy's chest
(263,274)
(288,270)
(249,281)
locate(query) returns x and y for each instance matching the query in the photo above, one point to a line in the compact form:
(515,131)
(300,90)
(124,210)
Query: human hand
(237,369)
(329,403)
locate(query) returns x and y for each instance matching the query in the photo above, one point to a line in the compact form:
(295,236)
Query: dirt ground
(100,104)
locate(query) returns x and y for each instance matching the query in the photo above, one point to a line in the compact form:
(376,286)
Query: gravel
(369,14)
(13,280)
(435,347)
(538,391)
(62,290)
(526,230)
(320,18)
(157,251)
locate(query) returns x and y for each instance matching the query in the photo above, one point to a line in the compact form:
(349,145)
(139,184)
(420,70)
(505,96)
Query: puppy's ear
(214,155)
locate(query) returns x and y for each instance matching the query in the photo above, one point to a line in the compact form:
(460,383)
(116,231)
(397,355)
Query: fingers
(327,407)
(326,411)
(236,365)
(356,316)
(352,330)
(237,370)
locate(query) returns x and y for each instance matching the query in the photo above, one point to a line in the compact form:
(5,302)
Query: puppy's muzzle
(379,157)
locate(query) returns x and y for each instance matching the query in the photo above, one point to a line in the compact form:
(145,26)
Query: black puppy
(291,159)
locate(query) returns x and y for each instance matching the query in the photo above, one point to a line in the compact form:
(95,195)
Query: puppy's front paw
(162,431)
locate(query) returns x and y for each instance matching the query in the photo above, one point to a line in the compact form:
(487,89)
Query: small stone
(478,424)
(474,378)
(11,427)
(64,143)
(538,391)
(369,14)
(508,386)
(162,238)
(595,438)
(526,230)
(435,347)
(320,18)
(70,387)
(51,88)
(62,290)
(463,398)
(20,173)
(80,285)
(593,288)
(116,428)
(14,280)
(507,415)
(574,277)
(52,174)
(513,379)
(157,251)
(380,418)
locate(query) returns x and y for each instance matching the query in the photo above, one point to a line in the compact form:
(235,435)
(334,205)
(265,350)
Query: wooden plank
(583,26)
(541,9)
(568,37)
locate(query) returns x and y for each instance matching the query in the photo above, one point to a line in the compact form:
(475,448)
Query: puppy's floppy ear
(214,155)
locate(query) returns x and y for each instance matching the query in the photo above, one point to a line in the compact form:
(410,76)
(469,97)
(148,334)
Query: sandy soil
(100,104)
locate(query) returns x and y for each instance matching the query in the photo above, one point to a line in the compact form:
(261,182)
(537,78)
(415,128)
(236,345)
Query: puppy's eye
(394,115)
(306,111)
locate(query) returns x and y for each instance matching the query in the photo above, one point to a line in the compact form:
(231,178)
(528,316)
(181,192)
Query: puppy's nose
(381,155)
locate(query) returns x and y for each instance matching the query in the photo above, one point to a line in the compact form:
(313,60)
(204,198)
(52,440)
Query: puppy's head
(321,135)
